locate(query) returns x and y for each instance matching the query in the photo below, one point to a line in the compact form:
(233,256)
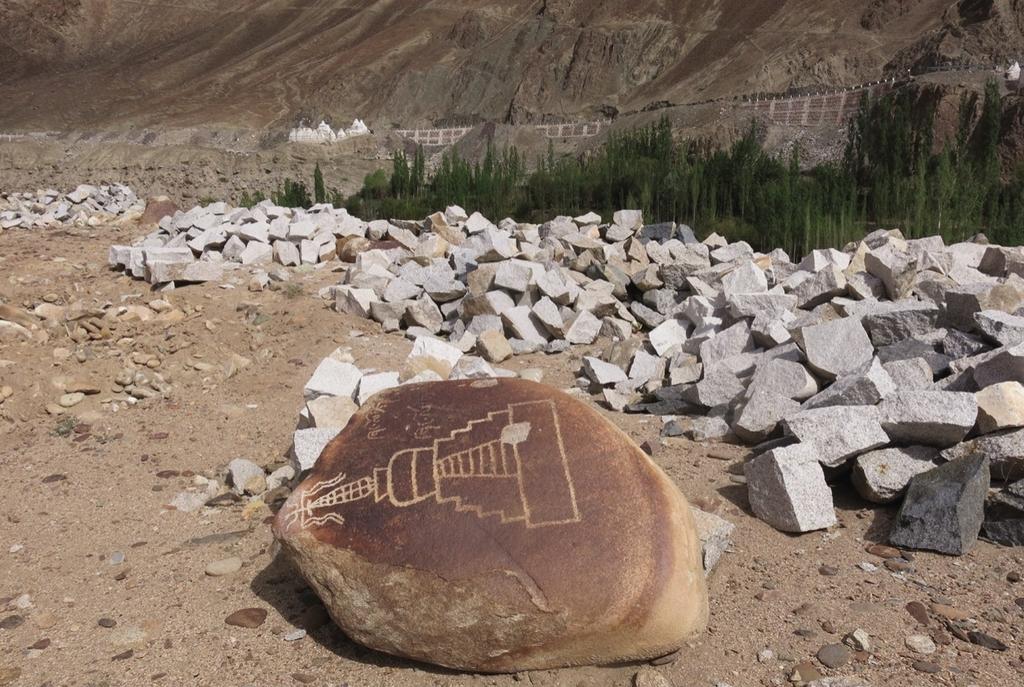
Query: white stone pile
(879,359)
(201,244)
(85,206)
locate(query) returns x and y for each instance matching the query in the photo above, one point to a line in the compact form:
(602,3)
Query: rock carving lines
(510,464)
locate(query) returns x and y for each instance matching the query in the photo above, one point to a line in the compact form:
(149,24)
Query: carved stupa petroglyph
(496,525)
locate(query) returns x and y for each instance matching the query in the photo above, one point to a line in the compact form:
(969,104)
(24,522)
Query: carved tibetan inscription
(496,525)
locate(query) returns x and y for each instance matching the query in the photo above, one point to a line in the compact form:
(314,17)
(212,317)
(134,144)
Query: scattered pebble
(295,635)
(926,667)
(71,400)
(226,566)
(834,655)
(920,644)
(649,677)
(987,641)
(247,617)
(918,612)
(10,622)
(858,640)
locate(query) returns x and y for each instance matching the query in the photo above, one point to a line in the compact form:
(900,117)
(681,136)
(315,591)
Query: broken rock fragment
(787,489)
(838,433)
(930,418)
(838,347)
(437,526)
(882,476)
(944,508)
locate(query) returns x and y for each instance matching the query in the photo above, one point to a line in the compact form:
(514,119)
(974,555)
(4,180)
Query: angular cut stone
(1004,451)
(1001,365)
(435,349)
(715,536)
(821,288)
(745,279)
(787,490)
(331,411)
(1004,516)
(1001,327)
(1000,406)
(838,433)
(549,316)
(584,329)
(333,378)
(910,373)
(646,367)
(838,347)
(371,384)
(308,444)
(761,415)
(784,377)
(944,508)
(882,476)
(286,253)
(354,301)
(719,387)
(525,325)
(730,342)
(256,253)
(667,336)
(914,319)
(493,346)
(863,387)
(964,302)
(390,492)
(929,418)
(894,266)
(603,373)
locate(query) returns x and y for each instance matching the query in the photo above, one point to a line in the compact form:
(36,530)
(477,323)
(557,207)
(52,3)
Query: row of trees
(295,194)
(891,175)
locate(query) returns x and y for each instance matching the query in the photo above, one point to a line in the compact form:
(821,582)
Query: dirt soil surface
(85,493)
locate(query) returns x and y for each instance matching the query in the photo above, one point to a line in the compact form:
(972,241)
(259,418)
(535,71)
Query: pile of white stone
(201,244)
(876,358)
(86,205)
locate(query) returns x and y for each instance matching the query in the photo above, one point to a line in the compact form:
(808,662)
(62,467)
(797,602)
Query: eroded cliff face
(85,64)
(970,31)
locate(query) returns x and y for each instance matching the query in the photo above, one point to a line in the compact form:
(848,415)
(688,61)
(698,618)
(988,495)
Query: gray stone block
(944,508)
(929,418)
(865,386)
(838,433)
(882,476)
(836,348)
(787,490)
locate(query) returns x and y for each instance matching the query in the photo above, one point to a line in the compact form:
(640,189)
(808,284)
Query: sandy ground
(82,493)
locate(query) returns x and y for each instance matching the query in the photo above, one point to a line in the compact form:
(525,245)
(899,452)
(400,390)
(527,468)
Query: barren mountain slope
(86,64)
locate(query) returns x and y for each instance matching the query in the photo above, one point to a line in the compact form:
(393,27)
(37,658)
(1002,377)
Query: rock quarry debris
(867,357)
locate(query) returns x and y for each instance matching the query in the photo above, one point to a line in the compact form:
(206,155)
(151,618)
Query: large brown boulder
(497,526)
(157,208)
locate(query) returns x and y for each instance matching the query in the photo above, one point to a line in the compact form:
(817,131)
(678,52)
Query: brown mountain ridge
(110,64)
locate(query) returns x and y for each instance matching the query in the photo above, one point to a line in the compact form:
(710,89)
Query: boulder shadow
(736,494)
(845,498)
(282,587)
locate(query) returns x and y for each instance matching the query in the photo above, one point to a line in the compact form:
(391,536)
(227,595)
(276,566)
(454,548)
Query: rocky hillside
(88,64)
